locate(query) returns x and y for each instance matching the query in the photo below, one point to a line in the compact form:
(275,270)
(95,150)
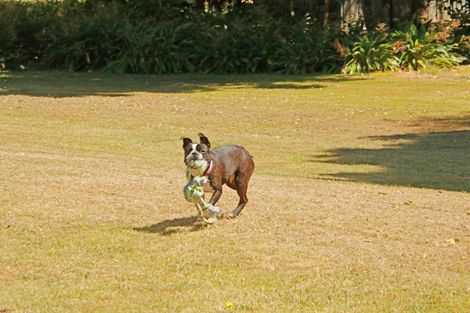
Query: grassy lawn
(359,201)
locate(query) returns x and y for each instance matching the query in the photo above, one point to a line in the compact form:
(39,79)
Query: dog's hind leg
(241,181)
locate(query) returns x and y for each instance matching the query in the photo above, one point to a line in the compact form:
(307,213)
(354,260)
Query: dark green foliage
(462,47)
(153,36)
(21,25)
(304,49)
(82,38)
(368,52)
(414,47)
(421,46)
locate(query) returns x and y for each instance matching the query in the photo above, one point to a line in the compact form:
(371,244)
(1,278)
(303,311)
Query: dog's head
(196,151)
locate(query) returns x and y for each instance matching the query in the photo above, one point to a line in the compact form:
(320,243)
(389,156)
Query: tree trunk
(368,16)
(200,4)
(417,8)
(326,13)
(391,14)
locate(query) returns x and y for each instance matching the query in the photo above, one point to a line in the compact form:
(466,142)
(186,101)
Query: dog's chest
(194,172)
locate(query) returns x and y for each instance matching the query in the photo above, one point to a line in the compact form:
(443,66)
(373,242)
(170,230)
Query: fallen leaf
(453,240)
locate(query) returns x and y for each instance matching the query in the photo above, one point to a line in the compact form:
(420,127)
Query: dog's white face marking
(193,153)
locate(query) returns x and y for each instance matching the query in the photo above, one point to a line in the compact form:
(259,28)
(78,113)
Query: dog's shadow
(172,226)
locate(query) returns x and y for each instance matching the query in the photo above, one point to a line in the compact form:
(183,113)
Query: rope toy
(194,190)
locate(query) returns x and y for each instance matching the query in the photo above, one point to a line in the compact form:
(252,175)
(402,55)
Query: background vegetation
(158,37)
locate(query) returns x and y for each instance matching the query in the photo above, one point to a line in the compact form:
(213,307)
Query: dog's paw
(230,215)
(213,210)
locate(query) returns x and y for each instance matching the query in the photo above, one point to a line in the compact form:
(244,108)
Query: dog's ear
(186,141)
(204,140)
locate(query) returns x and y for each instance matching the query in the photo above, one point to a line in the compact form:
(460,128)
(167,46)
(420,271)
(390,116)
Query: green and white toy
(194,190)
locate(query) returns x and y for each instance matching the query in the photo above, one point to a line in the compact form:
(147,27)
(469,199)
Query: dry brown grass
(92,217)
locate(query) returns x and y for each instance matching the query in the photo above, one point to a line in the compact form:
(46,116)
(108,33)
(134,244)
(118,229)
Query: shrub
(153,36)
(421,46)
(80,38)
(368,52)
(21,24)
(9,16)
(303,49)
(460,35)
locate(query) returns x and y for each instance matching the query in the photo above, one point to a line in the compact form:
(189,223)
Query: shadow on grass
(169,227)
(454,122)
(67,84)
(437,160)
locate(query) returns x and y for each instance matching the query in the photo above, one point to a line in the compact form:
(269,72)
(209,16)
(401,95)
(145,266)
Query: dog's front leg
(216,185)
(216,196)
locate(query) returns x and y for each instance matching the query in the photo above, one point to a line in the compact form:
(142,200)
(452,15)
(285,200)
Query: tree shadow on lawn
(171,226)
(67,84)
(437,160)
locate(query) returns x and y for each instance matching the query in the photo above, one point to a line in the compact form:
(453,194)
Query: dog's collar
(209,168)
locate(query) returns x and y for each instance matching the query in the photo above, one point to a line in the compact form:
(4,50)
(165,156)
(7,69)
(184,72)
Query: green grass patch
(92,218)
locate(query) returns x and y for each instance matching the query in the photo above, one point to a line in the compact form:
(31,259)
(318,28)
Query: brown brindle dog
(228,164)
